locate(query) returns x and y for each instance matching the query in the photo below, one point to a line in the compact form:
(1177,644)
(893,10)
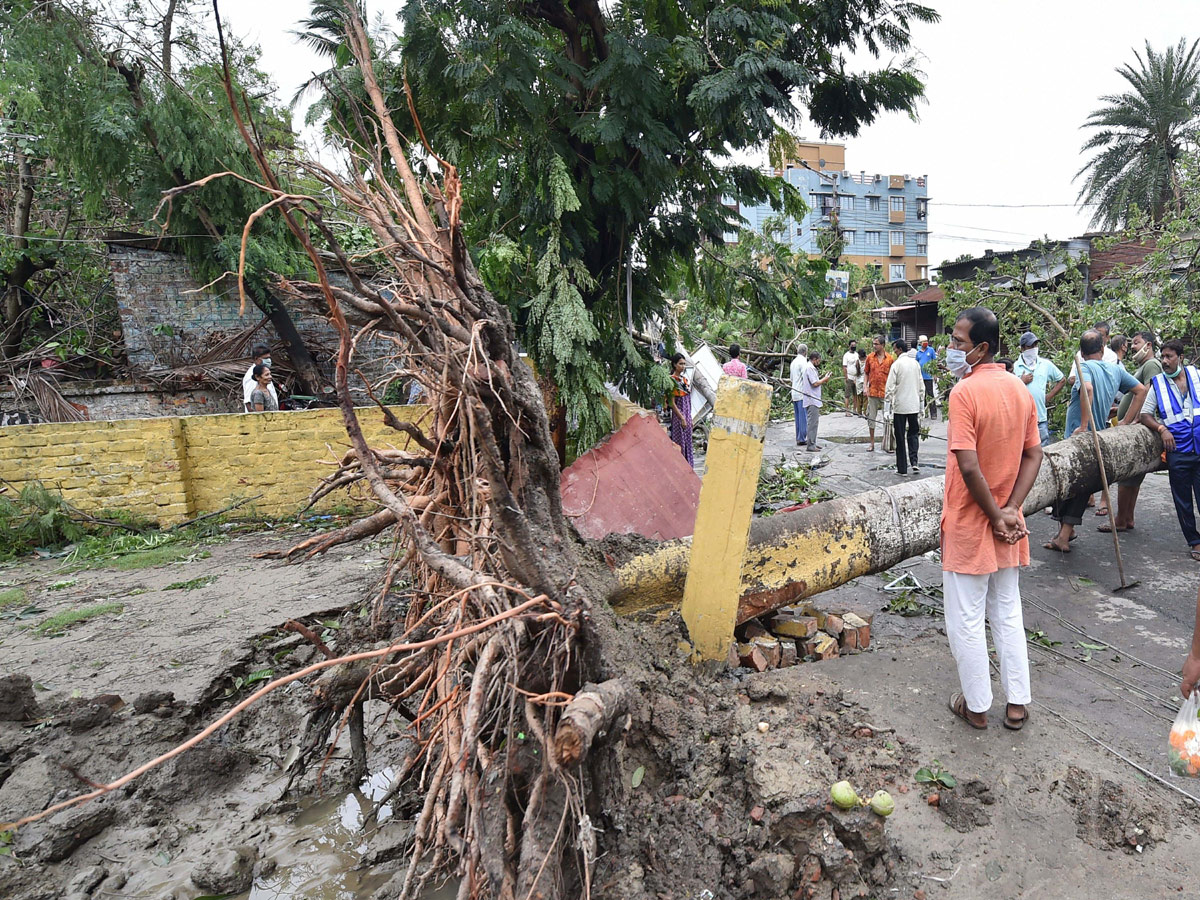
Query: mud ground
(735,768)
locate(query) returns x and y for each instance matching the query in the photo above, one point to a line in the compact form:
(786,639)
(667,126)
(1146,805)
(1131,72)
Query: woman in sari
(680,402)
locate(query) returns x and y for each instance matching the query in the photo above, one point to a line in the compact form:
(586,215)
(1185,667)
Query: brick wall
(169,469)
(165,317)
(168,320)
(132,401)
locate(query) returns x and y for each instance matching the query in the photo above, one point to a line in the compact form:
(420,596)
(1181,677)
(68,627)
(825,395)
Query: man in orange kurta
(994,452)
(879,363)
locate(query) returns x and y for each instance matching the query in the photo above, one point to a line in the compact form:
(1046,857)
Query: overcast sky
(1009,85)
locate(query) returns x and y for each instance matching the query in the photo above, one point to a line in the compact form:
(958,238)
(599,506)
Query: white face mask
(956,362)
(1030,356)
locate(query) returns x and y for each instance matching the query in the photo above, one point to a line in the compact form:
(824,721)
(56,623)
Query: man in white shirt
(904,392)
(262,355)
(850,373)
(799,364)
(1110,355)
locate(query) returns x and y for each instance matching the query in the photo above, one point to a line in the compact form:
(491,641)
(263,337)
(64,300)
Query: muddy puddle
(316,852)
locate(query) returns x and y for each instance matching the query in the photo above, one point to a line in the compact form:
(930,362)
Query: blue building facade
(884,219)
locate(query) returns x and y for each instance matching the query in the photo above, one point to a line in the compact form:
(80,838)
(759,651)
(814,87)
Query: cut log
(588,717)
(796,555)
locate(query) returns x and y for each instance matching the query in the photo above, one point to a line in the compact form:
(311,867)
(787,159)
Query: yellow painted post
(735,447)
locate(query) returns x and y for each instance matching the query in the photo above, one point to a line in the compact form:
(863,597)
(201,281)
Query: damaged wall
(169,320)
(170,469)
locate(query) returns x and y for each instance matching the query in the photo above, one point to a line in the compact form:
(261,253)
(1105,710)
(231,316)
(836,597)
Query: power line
(1016,205)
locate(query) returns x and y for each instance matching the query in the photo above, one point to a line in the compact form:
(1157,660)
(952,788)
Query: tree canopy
(1140,135)
(600,146)
(112,113)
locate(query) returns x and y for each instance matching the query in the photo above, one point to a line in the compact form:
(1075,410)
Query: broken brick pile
(791,635)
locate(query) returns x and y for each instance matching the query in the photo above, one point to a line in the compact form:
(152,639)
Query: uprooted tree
(507,670)
(501,711)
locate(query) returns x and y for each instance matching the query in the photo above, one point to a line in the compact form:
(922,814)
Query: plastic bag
(1183,749)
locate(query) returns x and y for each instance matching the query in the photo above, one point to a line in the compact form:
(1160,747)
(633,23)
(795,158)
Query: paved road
(1126,695)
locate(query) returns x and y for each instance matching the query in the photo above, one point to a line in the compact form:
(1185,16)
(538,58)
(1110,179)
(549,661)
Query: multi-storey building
(883,219)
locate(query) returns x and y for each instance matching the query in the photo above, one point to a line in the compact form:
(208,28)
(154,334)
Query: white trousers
(967,599)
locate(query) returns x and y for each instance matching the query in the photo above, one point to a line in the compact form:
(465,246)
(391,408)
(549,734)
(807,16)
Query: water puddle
(318,853)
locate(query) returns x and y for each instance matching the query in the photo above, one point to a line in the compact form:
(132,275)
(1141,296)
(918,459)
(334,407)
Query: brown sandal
(1015,724)
(958,706)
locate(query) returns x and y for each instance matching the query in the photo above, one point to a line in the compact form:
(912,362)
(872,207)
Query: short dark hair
(1100,325)
(1006,362)
(862,353)
(1117,343)
(1175,345)
(261,350)
(985,327)
(256,372)
(900,344)
(814,354)
(1149,337)
(734,351)
(1091,343)
(880,338)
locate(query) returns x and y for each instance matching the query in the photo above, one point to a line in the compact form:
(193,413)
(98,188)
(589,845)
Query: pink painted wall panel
(636,482)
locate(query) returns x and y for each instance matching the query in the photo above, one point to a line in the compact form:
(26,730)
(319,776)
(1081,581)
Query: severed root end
(588,718)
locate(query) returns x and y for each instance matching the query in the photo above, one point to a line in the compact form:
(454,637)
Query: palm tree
(1144,131)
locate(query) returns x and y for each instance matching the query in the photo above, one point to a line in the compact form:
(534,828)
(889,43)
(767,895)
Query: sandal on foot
(958,706)
(1050,545)
(1195,553)
(1102,510)
(1015,724)
(1108,530)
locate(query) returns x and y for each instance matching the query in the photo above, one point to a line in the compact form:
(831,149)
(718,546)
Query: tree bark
(792,556)
(589,716)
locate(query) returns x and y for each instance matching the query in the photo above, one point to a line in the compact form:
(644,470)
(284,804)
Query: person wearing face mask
(1037,374)
(1141,350)
(1090,405)
(1171,408)
(262,357)
(992,459)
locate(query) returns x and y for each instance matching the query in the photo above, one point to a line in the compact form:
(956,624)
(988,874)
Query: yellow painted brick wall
(169,469)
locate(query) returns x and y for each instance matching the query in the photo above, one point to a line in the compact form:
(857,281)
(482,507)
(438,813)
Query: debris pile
(794,634)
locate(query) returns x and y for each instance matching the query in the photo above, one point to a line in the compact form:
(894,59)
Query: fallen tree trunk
(796,555)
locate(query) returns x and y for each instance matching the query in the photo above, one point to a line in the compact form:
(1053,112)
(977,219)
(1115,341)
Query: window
(799,231)
(897,238)
(922,208)
(922,242)
(845,202)
(896,272)
(874,238)
(876,270)
(848,235)
(897,204)
(873,204)
(922,271)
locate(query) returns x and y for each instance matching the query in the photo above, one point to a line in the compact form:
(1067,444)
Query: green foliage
(113,130)
(36,517)
(57,625)
(191,584)
(14,596)
(1141,136)
(596,144)
(934,774)
(788,483)
(1160,294)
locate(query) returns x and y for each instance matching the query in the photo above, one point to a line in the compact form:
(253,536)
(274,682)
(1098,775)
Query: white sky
(1009,84)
